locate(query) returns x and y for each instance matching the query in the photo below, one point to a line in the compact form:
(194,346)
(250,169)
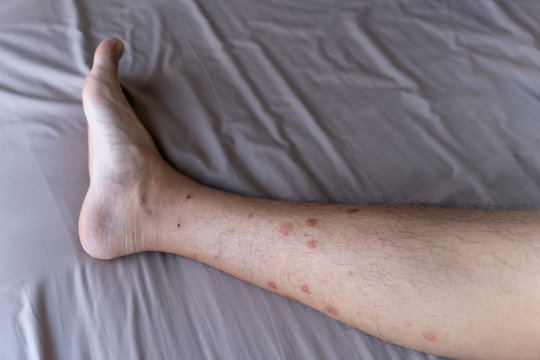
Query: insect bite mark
(351,211)
(285,229)
(311,244)
(311,222)
(429,335)
(331,310)
(272,285)
(305,288)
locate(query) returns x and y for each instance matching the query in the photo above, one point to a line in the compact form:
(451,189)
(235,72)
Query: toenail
(118,49)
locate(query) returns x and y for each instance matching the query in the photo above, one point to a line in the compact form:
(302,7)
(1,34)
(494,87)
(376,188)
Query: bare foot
(123,160)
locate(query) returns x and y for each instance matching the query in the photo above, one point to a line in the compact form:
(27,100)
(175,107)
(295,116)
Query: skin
(452,282)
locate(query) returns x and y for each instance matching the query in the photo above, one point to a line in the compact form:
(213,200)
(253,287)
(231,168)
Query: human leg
(459,283)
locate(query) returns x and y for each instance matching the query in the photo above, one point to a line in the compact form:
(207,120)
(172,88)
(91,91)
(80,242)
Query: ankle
(158,204)
(178,207)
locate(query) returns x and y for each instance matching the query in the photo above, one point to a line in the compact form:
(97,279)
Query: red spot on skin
(429,336)
(331,310)
(188,196)
(350,273)
(311,222)
(408,324)
(305,234)
(351,211)
(305,288)
(285,229)
(272,285)
(311,244)
(250,216)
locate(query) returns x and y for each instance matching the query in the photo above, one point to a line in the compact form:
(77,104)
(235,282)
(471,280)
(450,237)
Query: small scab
(429,335)
(331,310)
(311,244)
(272,285)
(188,196)
(311,222)
(285,229)
(305,288)
(177,225)
(351,211)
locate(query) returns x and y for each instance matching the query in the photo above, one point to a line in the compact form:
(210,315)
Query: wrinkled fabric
(432,102)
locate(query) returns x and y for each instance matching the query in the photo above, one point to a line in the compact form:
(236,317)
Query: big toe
(101,86)
(107,55)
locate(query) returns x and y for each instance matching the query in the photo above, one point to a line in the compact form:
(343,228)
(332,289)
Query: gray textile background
(351,101)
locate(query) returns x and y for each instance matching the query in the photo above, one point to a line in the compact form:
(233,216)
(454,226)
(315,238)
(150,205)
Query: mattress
(386,101)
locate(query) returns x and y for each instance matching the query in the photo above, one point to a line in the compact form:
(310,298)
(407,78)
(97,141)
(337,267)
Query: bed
(432,102)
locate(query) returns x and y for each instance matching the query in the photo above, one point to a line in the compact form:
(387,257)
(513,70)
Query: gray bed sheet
(332,101)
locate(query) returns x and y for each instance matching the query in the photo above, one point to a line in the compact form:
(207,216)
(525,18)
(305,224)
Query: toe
(107,55)
(101,86)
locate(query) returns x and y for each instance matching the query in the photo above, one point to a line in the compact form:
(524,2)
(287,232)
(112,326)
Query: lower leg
(459,283)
